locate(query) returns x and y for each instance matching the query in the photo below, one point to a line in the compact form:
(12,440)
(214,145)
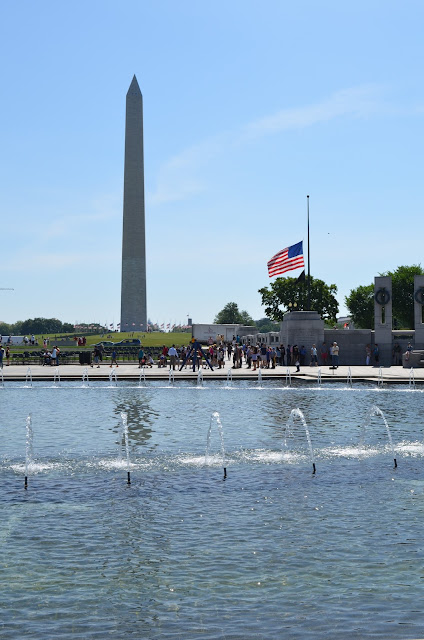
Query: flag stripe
(286,260)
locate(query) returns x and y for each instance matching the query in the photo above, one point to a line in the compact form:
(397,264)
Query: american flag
(286,260)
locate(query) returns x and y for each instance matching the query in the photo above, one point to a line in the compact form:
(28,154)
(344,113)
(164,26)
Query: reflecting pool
(270,551)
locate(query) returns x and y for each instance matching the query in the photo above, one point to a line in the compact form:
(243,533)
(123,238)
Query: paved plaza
(131,371)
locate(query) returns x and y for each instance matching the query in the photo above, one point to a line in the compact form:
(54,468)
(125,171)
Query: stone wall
(352,343)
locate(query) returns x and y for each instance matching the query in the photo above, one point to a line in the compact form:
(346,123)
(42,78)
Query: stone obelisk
(133,290)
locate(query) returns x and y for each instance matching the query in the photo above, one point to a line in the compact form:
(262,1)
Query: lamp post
(292,306)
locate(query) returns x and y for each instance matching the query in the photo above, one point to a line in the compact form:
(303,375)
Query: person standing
(140,357)
(113,358)
(221,357)
(335,356)
(254,357)
(240,356)
(367,355)
(397,353)
(7,356)
(314,356)
(324,353)
(249,357)
(376,354)
(229,350)
(295,357)
(263,352)
(97,356)
(172,353)
(2,352)
(277,356)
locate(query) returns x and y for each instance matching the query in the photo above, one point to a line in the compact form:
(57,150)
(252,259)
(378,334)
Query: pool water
(272,551)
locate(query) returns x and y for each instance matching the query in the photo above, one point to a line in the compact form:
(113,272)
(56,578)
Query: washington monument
(133,289)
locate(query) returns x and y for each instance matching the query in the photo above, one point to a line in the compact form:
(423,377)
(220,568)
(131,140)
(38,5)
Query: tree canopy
(36,326)
(360,301)
(230,314)
(265,325)
(284,291)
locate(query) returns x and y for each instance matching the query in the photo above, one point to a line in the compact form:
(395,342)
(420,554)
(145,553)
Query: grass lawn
(154,339)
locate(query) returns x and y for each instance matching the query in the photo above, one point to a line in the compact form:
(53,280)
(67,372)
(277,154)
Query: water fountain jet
(230,378)
(142,376)
(28,378)
(215,417)
(288,377)
(297,413)
(200,379)
(259,378)
(56,377)
(376,411)
(85,377)
(113,378)
(124,433)
(29,449)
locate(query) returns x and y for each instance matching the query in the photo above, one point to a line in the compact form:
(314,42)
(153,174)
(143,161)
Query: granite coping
(131,371)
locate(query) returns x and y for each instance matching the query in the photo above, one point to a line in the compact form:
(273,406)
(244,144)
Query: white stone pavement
(131,371)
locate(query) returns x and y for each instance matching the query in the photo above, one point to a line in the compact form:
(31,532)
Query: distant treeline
(35,326)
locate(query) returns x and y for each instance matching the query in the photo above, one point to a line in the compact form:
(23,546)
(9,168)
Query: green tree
(41,325)
(246,319)
(284,291)
(16,329)
(265,324)
(4,329)
(230,314)
(360,303)
(403,294)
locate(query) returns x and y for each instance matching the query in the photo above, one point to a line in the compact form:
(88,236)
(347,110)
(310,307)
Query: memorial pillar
(419,312)
(383,318)
(302,328)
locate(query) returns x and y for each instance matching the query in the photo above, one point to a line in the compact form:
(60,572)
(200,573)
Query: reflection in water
(140,416)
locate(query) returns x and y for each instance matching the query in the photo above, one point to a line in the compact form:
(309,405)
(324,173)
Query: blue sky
(248,107)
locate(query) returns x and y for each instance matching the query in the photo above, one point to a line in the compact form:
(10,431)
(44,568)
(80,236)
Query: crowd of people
(259,356)
(51,357)
(219,353)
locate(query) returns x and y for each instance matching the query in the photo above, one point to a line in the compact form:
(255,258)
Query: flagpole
(309,262)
